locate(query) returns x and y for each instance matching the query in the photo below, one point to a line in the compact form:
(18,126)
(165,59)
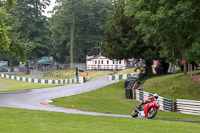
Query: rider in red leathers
(148,100)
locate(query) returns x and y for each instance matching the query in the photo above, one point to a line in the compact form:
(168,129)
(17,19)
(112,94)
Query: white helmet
(155,96)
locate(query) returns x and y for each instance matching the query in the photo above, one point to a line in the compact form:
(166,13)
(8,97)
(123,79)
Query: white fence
(188,106)
(105,67)
(165,104)
(43,81)
(123,76)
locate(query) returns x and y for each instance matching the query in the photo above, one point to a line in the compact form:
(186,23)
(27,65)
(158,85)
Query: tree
(17,47)
(4,40)
(124,41)
(77,27)
(33,27)
(172,25)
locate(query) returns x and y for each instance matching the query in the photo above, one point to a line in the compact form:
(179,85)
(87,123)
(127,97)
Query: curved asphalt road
(38,99)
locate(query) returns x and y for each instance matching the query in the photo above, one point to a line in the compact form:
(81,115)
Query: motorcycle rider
(148,100)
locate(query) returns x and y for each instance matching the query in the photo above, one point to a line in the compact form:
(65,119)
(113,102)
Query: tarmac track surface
(38,99)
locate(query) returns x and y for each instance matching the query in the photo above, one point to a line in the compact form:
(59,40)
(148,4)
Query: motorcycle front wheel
(134,113)
(151,114)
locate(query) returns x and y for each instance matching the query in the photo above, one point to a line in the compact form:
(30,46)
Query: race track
(38,99)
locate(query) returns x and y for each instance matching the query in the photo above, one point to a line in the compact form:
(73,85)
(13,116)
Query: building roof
(96,57)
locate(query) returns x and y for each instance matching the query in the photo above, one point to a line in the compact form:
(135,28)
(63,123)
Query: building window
(101,61)
(107,61)
(98,61)
(113,62)
(120,62)
(95,61)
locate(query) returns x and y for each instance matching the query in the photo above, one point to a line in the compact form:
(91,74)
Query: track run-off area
(38,99)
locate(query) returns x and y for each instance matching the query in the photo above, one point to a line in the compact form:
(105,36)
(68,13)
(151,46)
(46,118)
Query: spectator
(157,63)
(83,75)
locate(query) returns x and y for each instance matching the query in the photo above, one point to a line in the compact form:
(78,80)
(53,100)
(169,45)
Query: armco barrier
(43,81)
(122,76)
(165,104)
(188,106)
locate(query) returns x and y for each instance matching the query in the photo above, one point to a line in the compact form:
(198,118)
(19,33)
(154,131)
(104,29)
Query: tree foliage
(172,25)
(90,17)
(154,29)
(4,40)
(124,41)
(33,29)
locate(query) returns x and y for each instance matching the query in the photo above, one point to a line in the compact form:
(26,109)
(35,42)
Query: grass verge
(127,71)
(111,99)
(95,74)
(23,121)
(173,87)
(59,74)
(92,74)
(15,85)
(62,74)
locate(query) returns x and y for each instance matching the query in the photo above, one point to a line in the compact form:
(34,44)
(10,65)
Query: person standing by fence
(83,75)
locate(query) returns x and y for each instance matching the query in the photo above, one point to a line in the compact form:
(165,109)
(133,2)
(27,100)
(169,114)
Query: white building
(102,63)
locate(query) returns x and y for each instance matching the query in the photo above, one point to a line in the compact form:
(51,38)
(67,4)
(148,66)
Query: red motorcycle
(148,110)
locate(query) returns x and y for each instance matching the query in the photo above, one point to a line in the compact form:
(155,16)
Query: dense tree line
(154,29)
(78,27)
(27,35)
(75,29)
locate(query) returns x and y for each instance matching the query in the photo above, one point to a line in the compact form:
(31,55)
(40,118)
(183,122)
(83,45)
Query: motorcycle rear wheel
(151,114)
(134,113)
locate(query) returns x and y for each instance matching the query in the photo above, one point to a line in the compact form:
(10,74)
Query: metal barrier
(43,81)
(122,76)
(165,103)
(188,106)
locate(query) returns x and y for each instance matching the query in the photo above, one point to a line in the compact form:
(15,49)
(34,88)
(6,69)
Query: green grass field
(95,74)
(111,99)
(185,88)
(60,74)
(71,74)
(91,74)
(15,85)
(127,71)
(23,121)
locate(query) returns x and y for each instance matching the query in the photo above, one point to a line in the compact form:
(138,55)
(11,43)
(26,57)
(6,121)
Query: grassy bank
(173,86)
(92,74)
(23,121)
(111,99)
(59,74)
(65,74)
(14,85)
(95,74)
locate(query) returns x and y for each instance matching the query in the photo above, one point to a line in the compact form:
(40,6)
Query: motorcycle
(148,110)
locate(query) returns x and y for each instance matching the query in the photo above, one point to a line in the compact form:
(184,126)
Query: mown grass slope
(111,99)
(15,85)
(173,87)
(26,121)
